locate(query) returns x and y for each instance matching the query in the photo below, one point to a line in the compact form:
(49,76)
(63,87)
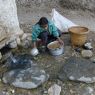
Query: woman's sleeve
(35,34)
(55,31)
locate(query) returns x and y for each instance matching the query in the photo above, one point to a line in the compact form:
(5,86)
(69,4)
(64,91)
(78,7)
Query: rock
(29,38)
(8,16)
(26,40)
(26,36)
(90,90)
(38,2)
(86,53)
(6,56)
(93,59)
(26,43)
(78,69)
(20,33)
(12,37)
(2,44)
(13,44)
(4,93)
(71,91)
(18,41)
(87,91)
(12,91)
(18,62)
(0,56)
(88,46)
(45,92)
(78,49)
(27,77)
(0,80)
(54,90)
(3,33)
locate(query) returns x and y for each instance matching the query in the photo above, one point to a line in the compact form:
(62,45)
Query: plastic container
(34,52)
(78,35)
(55,48)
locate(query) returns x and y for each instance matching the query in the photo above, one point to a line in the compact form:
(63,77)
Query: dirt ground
(28,17)
(52,65)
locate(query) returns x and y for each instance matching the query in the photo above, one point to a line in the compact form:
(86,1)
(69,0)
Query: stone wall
(84,4)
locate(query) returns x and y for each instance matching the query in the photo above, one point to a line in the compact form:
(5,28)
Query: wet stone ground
(52,65)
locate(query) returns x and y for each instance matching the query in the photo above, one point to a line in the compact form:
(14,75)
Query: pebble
(93,59)
(86,53)
(0,55)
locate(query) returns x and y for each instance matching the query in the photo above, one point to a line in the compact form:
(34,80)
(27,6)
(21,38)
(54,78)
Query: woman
(46,31)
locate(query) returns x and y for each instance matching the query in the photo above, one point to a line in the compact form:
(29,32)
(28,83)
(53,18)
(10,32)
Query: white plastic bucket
(34,52)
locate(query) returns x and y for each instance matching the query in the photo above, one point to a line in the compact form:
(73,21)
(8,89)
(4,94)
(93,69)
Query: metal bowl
(55,48)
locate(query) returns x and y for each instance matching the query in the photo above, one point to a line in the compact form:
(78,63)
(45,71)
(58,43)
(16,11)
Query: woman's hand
(60,41)
(34,45)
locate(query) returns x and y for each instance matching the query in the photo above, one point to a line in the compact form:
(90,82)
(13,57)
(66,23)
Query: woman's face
(45,26)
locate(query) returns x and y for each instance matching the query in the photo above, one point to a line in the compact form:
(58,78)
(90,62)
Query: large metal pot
(55,48)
